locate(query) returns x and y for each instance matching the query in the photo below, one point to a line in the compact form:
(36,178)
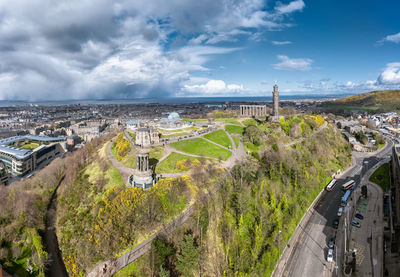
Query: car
(340,211)
(335,223)
(329,257)
(359,216)
(355,223)
(331,242)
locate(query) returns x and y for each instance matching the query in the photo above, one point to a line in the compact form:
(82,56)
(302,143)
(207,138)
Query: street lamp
(279,241)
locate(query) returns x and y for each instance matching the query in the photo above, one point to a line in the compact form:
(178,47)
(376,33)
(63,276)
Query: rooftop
(21,153)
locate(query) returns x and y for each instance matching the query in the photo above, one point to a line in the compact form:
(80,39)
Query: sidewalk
(368,240)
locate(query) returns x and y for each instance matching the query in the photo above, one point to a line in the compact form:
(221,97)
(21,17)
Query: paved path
(124,171)
(129,138)
(217,144)
(368,240)
(231,139)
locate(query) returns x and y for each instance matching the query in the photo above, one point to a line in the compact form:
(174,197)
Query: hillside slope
(384,100)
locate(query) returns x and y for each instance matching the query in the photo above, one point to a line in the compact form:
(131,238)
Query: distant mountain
(383,100)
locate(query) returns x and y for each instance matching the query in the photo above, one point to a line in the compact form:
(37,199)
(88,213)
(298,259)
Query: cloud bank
(121,48)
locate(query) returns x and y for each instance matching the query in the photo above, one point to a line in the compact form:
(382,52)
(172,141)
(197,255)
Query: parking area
(366,239)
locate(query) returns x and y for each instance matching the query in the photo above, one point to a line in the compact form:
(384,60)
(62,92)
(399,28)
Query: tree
(188,257)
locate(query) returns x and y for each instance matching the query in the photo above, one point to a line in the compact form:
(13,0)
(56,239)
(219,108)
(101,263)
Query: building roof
(21,153)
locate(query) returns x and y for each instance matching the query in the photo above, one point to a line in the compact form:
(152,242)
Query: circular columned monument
(143,176)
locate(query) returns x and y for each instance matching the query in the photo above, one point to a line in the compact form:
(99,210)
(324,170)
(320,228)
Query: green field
(250,121)
(381,177)
(201,147)
(169,164)
(236,139)
(219,137)
(132,135)
(174,134)
(233,129)
(156,152)
(231,120)
(30,146)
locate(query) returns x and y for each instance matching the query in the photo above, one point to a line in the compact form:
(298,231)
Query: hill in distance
(383,100)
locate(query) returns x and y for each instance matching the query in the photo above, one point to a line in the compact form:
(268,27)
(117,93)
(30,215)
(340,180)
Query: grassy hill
(385,100)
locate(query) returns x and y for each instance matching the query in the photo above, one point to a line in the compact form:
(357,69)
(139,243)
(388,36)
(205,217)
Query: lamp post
(279,241)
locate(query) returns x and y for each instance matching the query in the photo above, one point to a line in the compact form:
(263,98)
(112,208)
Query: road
(305,255)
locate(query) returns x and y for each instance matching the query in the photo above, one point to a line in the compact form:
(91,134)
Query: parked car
(335,223)
(331,243)
(340,211)
(355,223)
(359,216)
(329,258)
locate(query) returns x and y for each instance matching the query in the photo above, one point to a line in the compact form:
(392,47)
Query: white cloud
(213,87)
(293,64)
(286,42)
(390,38)
(293,6)
(120,48)
(390,75)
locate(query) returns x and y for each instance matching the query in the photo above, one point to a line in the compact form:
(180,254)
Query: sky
(124,49)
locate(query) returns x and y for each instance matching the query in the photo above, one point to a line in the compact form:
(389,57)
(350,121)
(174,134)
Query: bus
(331,185)
(345,198)
(348,185)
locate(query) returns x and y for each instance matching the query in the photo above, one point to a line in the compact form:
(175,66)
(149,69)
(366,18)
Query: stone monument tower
(143,176)
(275,104)
(275,109)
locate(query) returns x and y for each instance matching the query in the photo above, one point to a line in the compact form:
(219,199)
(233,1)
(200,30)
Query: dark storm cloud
(105,48)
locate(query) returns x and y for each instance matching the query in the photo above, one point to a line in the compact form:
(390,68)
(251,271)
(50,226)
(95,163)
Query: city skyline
(152,49)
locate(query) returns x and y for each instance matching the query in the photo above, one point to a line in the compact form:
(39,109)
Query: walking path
(110,267)
(129,138)
(226,148)
(231,139)
(124,171)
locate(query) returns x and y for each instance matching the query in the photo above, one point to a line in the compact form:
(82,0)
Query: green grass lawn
(382,177)
(169,164)
(249,121)
(231,120)
(219,137)
(129,160)
(201,147)
(30,146)
(233,129)
(194,119)
(132,135)
(174,134)
(156,152)
(236,138)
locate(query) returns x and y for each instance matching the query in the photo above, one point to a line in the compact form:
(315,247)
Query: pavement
(305,254)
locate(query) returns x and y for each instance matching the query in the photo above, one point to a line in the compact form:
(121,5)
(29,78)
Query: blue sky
(82,49)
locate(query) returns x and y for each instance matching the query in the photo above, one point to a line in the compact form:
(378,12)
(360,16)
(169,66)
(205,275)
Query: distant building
(132,124)
(173,121)
(256,111)
(147,135)
(343,123)
(22,154)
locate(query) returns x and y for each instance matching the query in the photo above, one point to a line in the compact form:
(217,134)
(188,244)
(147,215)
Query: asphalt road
(308,256)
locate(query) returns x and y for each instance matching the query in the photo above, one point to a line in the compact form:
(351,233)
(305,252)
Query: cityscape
(211,138)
